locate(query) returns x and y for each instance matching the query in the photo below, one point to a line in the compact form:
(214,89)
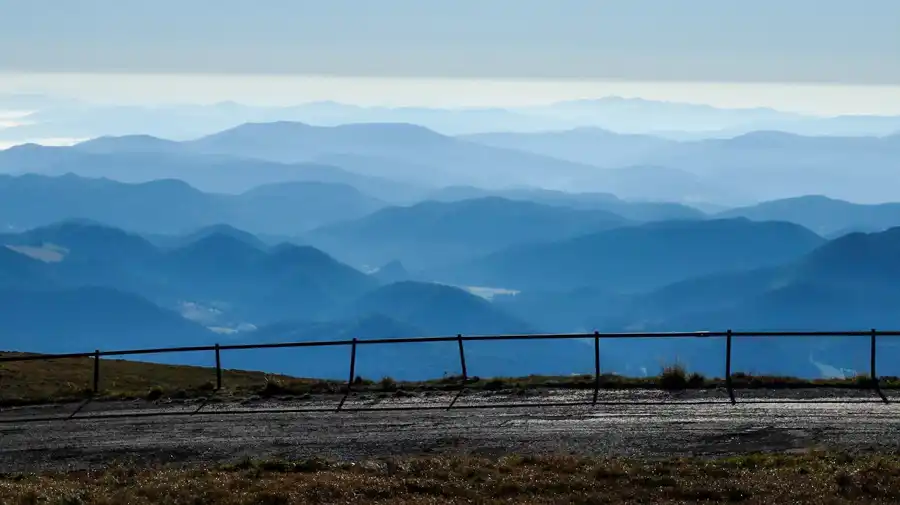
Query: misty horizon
(819,99)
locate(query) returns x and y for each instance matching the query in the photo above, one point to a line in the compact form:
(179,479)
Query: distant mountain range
(55,117)
(218,174)
(448,160)
(436,233)
(103,279)
(625,159)
(252,154)
(771,165)
(460,223)
(108,288)
(177,241)
(593,146)
(438,308)
(400,163)
(82,319)
(632,210)
(282,281)
(758,165)
(285,209)
(172,206)
(275,231)
(825,216)
(639,257)
(850,283)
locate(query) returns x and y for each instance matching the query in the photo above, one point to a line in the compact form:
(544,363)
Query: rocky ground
(635,423)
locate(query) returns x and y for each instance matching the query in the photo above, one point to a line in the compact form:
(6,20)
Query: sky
(474,51)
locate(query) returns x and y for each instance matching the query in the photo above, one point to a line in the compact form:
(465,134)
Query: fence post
(218,368)
(872,371)
(462,358)
(596,367)
(352,375)
(96,371)
(465,371)
(728,383)
(352,365)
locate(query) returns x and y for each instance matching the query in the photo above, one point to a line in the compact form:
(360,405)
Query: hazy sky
(651,41)
(707,40)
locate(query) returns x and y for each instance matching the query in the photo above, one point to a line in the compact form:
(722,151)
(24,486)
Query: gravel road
(700,423)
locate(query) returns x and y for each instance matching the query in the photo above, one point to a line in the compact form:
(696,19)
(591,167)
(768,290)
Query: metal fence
(597,337)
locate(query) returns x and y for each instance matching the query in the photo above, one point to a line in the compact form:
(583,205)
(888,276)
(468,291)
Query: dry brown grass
(61,380)
(69,380)
(755,479)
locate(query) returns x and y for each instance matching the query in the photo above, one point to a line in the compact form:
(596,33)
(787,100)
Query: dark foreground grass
(755,479)
(71,379)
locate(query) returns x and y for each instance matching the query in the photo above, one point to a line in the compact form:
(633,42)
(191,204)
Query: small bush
(276,466)
(206,386)
(863,381)
(321,387)
(311,465)
(494,385)
(673,378)
(387,384)
(154,394)
(696,380)
(272,388)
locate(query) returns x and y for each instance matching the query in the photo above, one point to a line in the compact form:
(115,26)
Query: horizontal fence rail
(464,338)
(596,337)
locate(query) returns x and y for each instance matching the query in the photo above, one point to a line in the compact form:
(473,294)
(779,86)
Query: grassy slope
(754,479)
(67,380)
(72,379)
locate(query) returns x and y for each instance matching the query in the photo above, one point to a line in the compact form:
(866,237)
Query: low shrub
(387,384)
(673,378)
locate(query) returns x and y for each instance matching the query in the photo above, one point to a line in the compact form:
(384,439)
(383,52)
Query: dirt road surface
(661,424)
